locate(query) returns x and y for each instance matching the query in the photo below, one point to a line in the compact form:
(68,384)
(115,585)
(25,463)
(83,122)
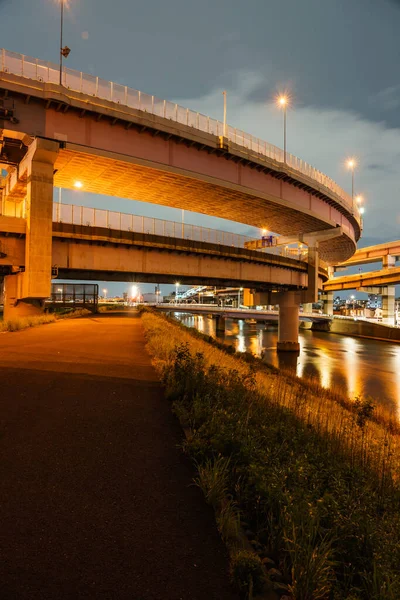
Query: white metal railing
(43,71)
(96,217)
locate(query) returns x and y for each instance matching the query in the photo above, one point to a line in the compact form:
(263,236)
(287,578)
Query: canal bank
(294,461)
(359,328)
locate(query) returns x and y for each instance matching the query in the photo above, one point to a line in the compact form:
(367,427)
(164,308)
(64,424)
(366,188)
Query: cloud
(386,99)
(324,138)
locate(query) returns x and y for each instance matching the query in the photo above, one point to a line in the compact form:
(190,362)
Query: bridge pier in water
(220,324)
(288,324)
(25,292)
(327,299)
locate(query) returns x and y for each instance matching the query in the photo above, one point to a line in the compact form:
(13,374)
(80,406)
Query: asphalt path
(96,498)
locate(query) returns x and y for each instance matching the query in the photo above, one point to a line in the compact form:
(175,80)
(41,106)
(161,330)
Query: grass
(27,322)
(315,477)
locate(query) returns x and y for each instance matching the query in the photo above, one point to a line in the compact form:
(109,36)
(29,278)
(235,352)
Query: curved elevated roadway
(124,143)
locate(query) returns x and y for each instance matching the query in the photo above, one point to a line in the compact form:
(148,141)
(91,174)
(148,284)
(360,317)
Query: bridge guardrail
(96,217)
(47,72)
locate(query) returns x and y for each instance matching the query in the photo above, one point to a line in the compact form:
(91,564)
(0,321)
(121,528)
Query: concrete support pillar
(33,286)
(313,271)
(288,330)
(307,307)
(14,308)
(220,324)
(327,299)
(388,304)
(388,262)
(248,297)
(262,298)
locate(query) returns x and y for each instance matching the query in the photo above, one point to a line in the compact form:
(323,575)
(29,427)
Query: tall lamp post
(176,292)
(351,164)
(64,51)
(282,103)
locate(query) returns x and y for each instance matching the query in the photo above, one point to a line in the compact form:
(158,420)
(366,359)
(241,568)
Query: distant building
(152,298)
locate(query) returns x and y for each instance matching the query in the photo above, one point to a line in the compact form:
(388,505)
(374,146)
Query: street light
(177,284)
(105,293)
(282,102)
(352,164)
(134,292)
(64,51)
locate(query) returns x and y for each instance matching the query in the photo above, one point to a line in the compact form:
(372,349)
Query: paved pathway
(95,496)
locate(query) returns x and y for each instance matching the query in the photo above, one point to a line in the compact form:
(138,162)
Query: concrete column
(307,307)
(14,308)
(388,261)
(327,299)
(248,297)
(262,298)
(34,284)
(313,270)
(220,325)
(288,329)
(388,304)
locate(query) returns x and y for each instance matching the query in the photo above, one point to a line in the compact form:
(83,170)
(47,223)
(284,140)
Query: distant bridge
(236,313)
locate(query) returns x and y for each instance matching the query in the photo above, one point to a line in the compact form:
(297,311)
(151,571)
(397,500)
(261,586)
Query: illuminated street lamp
(282,102)
(352,164)
(177,284)
(105,293)
(134,292)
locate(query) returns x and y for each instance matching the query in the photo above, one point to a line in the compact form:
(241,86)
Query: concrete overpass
(112,140)
(386,253)
(381,282)
(93,253)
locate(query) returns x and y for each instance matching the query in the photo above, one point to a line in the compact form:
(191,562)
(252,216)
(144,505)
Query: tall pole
(61,39)
(284,133)
(183,224)
(224,94)
(352,184)
(59,203)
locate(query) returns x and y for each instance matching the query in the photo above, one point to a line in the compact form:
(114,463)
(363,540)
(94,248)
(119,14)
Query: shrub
(247,573)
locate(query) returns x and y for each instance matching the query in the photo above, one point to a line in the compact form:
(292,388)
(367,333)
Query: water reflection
(355,366)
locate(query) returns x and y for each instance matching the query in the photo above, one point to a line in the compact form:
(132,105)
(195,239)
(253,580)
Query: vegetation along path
(96,496)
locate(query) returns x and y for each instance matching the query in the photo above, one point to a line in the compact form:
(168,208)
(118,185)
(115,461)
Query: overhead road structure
(380,282)
(108,139)
(386,253)
(98,253)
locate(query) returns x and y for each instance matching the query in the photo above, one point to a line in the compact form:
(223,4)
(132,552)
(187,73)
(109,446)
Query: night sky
(339,60)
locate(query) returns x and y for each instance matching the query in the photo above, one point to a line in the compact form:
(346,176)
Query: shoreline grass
(22,323)
(315,482)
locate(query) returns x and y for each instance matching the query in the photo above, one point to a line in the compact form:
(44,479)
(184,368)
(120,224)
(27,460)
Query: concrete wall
(359,329)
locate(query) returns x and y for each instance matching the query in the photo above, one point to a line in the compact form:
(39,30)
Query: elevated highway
(109,139)
(360,281)
(372,254)
(99,253)
(381,282)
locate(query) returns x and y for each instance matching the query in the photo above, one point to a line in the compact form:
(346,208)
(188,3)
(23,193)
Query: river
(355,366)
